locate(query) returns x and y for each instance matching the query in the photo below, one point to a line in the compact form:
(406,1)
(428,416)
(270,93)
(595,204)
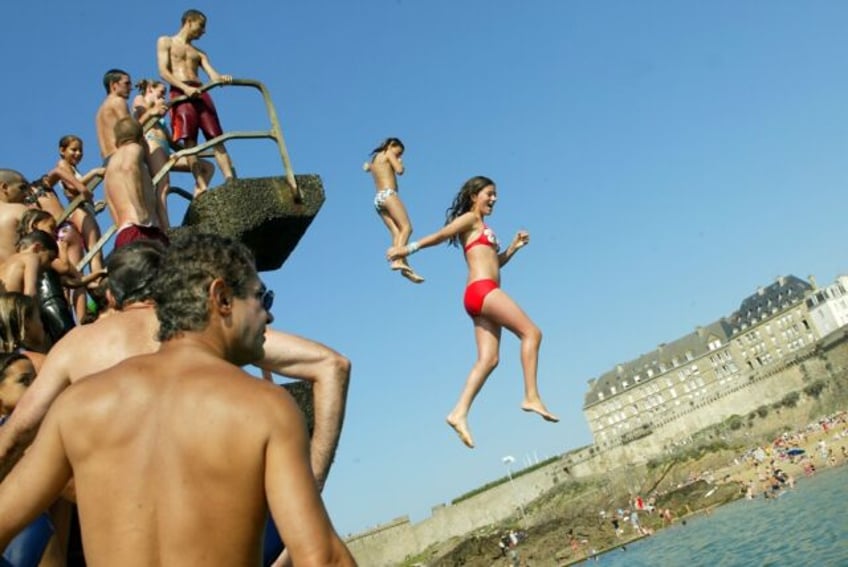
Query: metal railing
(201,150)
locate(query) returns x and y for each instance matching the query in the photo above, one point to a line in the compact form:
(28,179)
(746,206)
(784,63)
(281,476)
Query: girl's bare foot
(406,271)
(539,408)
(410,274)
(461,427)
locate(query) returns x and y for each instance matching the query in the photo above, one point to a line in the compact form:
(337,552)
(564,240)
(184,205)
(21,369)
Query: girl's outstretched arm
(460,224)
(96,172)
(522,238)
(83,281)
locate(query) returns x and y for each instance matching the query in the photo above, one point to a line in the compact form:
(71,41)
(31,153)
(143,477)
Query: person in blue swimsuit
(489,307)
(150,93)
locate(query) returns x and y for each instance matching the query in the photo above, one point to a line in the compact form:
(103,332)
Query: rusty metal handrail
(275,133)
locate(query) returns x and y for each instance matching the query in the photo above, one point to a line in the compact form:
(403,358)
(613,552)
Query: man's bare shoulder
(112,104)
(88,349)
(12,211)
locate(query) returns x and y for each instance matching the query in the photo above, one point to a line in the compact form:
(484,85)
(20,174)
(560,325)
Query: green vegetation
(790,400)
(504,479)
(735,422)
(814,390)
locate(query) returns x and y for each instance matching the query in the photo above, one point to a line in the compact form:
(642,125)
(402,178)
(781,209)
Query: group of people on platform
(184,457)
(167,446)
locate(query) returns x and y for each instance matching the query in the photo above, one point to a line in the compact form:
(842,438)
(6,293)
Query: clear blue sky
(667,157)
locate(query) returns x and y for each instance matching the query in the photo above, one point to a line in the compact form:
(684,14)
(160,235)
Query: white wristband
(412,247)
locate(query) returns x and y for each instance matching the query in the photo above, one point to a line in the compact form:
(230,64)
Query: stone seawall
(391,543)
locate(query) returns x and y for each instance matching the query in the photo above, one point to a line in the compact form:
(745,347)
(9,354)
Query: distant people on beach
(489,307)
(385,165)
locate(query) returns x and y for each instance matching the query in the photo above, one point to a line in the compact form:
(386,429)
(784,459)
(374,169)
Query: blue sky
(667,157)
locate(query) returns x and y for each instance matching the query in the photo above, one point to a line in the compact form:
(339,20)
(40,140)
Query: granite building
(652,394)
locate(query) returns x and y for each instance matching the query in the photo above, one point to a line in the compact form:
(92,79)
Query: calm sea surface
(807,525)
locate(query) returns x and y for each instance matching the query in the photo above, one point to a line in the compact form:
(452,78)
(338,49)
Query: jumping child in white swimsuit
(384,166)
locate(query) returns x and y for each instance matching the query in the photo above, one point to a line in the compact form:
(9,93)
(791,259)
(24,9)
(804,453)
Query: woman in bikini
(158,142)
(489,307)
(384,166)
(74,183)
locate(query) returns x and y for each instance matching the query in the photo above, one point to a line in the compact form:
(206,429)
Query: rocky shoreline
(580,519)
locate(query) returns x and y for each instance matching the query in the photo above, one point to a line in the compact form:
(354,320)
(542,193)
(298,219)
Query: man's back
(164,454)
(111,110)
(10,216)
(92,348)
(129,190)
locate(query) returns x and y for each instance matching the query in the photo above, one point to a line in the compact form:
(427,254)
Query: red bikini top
(487,237)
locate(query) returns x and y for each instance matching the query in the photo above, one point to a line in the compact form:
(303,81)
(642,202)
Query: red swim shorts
(133,232)
(195,114)
(475,293)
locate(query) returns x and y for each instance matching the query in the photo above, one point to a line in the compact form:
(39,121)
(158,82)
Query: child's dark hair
(112,76)
(462,202)
(7,359)
(66,140)
(143,84)
(387,143)
(29,219)
(46,241)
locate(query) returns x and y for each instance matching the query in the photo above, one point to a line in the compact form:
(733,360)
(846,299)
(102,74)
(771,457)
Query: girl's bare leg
(202,171)
(156,160)
(76,297)
(394,212)
(488,337)
(502,310)
(394,230)
(87,226)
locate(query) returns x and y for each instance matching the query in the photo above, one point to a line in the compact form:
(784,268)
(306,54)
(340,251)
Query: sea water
(805,525)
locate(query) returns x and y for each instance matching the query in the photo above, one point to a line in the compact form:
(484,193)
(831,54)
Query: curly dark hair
(191,263)
(462,202)
(131,269)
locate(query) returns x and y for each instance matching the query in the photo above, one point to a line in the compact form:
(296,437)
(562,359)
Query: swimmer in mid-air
(385,165)
(485,302)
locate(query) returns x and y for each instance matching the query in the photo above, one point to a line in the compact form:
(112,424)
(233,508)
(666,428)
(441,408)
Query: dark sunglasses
(265,297)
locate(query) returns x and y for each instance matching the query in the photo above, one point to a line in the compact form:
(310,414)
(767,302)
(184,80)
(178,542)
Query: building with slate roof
(653,392)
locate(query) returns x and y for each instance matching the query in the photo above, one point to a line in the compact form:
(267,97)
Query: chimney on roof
(660,347)
(700,330)
(619,368)
(812,280)
(781,281)
(761,290)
